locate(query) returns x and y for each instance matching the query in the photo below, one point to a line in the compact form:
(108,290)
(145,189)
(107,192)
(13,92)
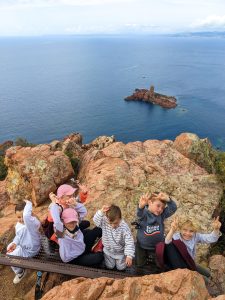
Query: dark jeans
(89,258)
(84,224)
(142,255)
(173,258)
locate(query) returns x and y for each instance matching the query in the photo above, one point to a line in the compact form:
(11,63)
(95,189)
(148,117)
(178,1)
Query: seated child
(64,199)
(27,241)
(74,246)
(151,213)
(190,237)
(118,243)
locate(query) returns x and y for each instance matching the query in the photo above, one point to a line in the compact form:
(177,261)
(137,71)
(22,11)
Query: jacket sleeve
(55,213)
(31,222)
(207,238)
(81,210)
(141,213)
(99,218)
(129,249)
(170,209)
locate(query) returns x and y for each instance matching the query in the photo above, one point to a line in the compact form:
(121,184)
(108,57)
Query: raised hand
(53,197)
(144,200)
(105,208)
(216,224)
(174,224)
(163,196)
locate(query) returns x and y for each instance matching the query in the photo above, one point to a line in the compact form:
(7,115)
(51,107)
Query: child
(151,213)
(82,191)
(74,246)
(118,243)
(190,237)
(65,199)
(27,241)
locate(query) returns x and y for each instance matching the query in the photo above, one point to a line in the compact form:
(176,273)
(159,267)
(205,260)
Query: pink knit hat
(69,215)
(65,190)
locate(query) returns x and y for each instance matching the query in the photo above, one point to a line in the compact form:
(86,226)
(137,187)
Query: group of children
(110,243)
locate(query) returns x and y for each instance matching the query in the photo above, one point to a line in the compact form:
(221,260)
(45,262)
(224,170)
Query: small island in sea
(151,97)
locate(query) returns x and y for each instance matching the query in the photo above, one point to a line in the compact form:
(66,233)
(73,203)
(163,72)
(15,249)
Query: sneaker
(19,276)
(98,246)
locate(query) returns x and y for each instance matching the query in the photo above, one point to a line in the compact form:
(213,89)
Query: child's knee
(120,266)
(110,263)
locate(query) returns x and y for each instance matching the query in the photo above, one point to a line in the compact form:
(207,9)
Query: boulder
(176,285)
(198,150)
(120,173)
(35,172)
(217,267)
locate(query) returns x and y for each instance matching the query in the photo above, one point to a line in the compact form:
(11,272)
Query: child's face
(187,233)
(71,225)
(156,207)
(115,223)
(19,215)
(64,199)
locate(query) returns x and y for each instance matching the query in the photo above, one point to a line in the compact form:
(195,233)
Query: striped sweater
(117,242)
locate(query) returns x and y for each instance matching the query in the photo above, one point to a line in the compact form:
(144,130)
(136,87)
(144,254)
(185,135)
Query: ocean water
(53,86)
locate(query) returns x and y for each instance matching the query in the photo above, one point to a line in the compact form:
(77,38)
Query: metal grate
(48,260)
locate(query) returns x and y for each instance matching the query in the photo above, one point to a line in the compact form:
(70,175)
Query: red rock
(176,285)
(152,97)
(35,172)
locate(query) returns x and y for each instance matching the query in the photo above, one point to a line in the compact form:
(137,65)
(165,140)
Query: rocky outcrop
(4,197)
(152,97)
(4,146)
(198,150)
(176,285)
(217,267)
(100,142)
(120,173)
(34,172)
(70,145)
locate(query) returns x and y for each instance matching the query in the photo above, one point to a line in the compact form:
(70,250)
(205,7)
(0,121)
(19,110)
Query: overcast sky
(40,17)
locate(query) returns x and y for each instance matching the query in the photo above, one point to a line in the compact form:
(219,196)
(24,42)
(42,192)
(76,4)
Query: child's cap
(69,215)
(65,190)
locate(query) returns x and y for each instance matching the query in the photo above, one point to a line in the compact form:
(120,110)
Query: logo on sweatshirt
(152,230)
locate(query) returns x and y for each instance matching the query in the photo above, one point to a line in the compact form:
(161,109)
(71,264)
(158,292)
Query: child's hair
(190,224)
(114,213)
(20,206)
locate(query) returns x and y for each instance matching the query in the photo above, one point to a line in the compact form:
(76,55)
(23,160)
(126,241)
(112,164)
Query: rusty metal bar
(61,268)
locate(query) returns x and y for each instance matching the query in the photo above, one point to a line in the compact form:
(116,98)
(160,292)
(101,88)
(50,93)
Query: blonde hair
(190,224)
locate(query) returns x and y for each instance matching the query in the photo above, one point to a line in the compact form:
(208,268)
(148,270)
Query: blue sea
(53,86)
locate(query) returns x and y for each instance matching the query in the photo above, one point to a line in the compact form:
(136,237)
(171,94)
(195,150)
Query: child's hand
(11,248)
(216,224)
(144,200)
(163,196)
(129,261)
(174,224)
(105,208)
(82,187)
(53,197)
(72,201)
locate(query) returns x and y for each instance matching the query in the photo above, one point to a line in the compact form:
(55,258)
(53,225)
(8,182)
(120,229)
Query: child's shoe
(19,276)
(98,246)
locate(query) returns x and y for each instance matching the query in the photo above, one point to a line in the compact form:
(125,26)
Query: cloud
(213,22)
(53,3)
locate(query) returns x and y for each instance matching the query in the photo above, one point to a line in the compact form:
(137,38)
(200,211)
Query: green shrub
(23,142)
(3,168)
(75,162)
(220,165)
